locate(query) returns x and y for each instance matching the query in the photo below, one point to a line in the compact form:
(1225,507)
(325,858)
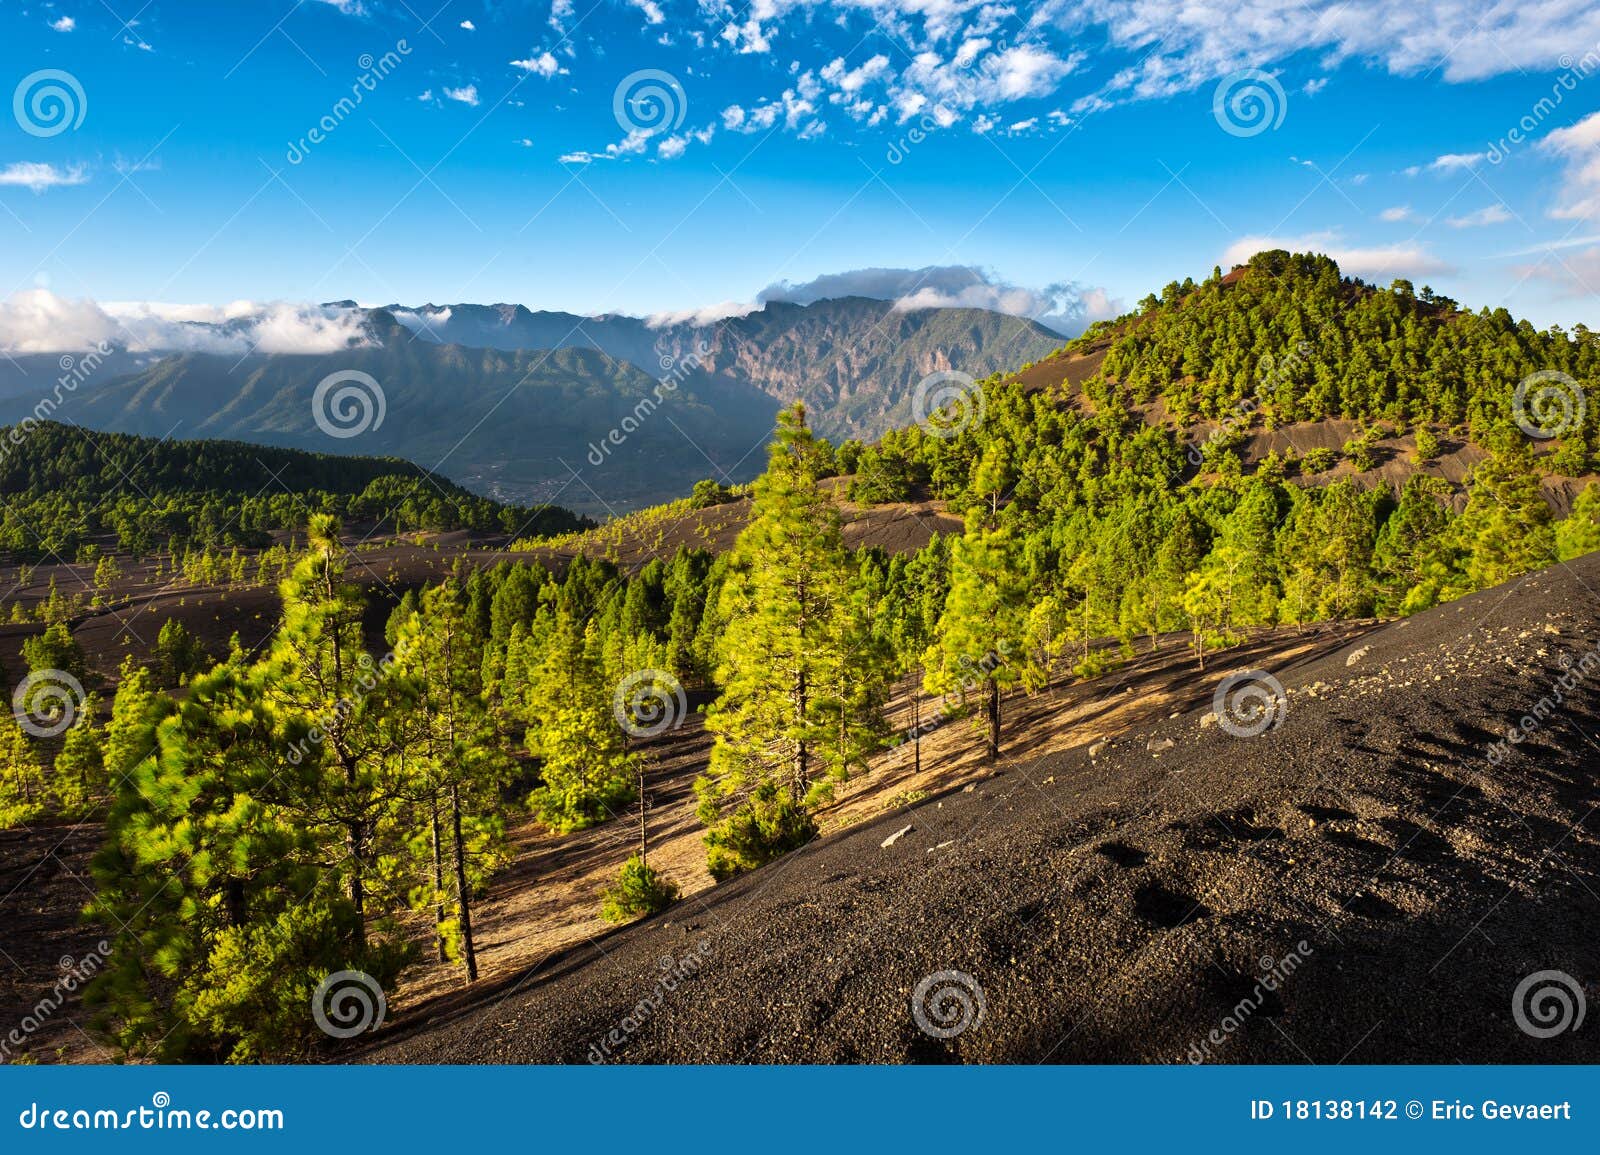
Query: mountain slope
(512,402)
(505,423)
(855,361)
(1364,883)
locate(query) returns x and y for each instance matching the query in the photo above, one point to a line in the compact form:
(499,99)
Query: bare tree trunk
(916,729)
(463,898)
(438,882)
(994,720)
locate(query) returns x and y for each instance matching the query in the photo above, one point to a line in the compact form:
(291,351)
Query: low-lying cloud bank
(1066,307)
(39,321)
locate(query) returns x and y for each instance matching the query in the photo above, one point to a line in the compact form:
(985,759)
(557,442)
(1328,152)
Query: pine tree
(456,773)
(803,680)
(80,770)
(980,637)
(585,766)
(23,789)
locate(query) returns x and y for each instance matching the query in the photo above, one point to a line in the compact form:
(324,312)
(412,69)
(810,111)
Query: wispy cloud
(467,95)
(39,177)
(1488,215)
(1373,262)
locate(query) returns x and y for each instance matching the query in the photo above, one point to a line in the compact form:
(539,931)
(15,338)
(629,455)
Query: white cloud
(1578,145)
(38,177)
(1455,161)
(1066,308)
(1315,85)
(65,24)
(1396,214)
(1488,215)
(1575,275)
(544,64)
(703,316)
(1375,263)
(469,26)
(579,157)
(38,321)
(467,95)
(652,10)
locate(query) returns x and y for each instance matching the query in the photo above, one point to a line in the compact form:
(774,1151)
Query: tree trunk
(438,883)
(356,844)
(802,754)
(994,720)
(463,899)
(916,730)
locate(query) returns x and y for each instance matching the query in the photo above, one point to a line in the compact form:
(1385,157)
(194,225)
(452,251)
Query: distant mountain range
(597,413)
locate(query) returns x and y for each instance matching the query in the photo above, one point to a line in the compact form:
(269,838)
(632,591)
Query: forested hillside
(292,812)
(65,486)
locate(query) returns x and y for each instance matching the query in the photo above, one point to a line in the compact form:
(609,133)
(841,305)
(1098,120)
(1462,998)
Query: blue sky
(1079,154)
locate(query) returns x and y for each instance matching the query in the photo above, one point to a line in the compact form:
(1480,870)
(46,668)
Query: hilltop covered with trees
(279,820)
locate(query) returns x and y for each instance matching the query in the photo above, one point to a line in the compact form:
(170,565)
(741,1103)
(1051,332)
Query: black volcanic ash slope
(1119,909)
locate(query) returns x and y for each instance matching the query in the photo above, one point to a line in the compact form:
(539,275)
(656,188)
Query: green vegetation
(64,485)
(283,817)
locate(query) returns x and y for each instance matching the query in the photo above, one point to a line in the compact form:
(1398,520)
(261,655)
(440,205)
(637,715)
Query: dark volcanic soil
(1361,884)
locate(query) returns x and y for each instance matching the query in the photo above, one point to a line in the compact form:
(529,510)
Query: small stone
(895,837)
(1357,655)
(1099,747)
(1209,718)
(1156,745)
